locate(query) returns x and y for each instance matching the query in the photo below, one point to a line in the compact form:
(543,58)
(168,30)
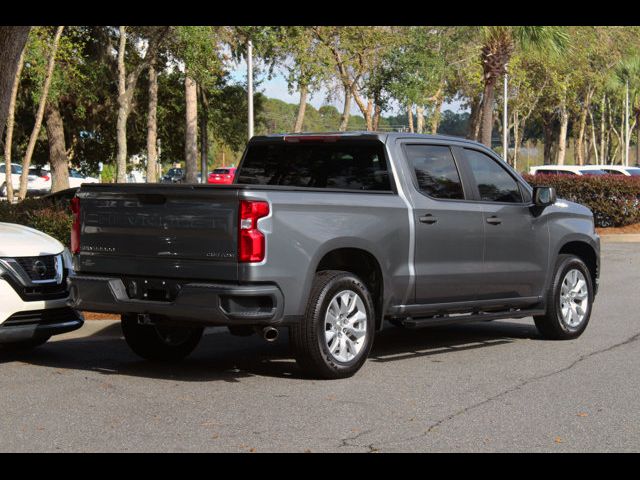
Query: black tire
(551,325)
(158,342)
(308,337)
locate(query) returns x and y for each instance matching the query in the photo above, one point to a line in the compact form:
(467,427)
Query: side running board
(449,319)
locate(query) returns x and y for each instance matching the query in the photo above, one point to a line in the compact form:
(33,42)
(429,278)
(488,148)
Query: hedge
(41,215)
(613,199)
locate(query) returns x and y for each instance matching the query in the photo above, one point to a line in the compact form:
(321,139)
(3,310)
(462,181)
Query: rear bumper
(204,303)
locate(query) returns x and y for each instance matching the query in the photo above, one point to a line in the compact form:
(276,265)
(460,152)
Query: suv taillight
(251,244)
(75,228)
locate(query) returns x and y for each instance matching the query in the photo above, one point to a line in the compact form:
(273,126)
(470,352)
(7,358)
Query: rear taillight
(45,178)
(75,228)
(251,244)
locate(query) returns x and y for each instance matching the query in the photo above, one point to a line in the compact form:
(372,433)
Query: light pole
(250,86)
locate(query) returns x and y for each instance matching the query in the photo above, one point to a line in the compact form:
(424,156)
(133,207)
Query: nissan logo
(39,268)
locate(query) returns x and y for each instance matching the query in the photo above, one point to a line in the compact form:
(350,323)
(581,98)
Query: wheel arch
(362,263)
(586,253)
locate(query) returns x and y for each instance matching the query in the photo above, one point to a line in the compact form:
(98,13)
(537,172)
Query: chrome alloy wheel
(345,325)
(574,299)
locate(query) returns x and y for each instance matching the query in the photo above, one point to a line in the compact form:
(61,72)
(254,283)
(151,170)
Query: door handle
(428,219)
(494,220)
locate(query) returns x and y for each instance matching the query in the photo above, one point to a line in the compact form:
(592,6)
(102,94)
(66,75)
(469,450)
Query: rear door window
(347,165)
(435,171)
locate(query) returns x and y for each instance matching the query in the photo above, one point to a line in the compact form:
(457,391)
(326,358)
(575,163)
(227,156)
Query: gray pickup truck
(329,235)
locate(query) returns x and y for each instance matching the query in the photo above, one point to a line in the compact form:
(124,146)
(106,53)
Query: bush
(613,199)
(41,215)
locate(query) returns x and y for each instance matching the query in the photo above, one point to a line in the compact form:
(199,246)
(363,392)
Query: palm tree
(626,77)
(498,44)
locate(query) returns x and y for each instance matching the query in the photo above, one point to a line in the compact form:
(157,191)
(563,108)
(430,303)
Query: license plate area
(152,289)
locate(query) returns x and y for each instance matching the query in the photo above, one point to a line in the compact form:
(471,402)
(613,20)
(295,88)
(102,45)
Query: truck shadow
(223,357)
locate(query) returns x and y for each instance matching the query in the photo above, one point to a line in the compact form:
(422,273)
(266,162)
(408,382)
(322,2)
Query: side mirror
(544,196)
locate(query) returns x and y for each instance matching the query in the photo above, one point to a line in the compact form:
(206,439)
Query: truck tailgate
(185,231)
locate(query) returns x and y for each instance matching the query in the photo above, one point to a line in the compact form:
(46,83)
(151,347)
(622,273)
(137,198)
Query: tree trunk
(369,115)
(547,132)
(562,138)
(346,111)
(487,111)
(602,127)
(410,114)
(8,143)
(420,119)
(57,150)
(191,131)
(377,112)
(12,42)
(638,138)
(474,118)
(204,136)
(302,106)
(123,111)
(580,145)
(516,138)
(152,126)
(26,162)
(435,119)
(593,139)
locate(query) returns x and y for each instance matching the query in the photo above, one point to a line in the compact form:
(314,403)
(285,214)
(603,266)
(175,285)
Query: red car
(222,175)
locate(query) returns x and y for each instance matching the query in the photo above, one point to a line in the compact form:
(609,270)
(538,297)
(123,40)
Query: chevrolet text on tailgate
(329,235)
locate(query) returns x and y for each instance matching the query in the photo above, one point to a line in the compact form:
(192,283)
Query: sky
(276,87)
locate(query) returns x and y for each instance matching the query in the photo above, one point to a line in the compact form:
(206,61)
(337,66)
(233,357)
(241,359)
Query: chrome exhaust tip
(270,334)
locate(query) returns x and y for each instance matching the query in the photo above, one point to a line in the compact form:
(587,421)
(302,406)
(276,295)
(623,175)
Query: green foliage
(613,199)
(41,215)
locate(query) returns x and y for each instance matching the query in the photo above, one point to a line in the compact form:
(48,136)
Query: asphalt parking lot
(479,388)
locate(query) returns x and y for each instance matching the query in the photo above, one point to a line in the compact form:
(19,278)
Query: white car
(16,171)
(566,170)
(33,287)
(76,178)
(616,170)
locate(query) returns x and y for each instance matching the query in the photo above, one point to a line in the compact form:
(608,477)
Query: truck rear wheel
(334,338)
(569,300)
(160,342)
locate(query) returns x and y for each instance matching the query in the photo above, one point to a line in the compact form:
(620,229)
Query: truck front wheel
(569,300)
(160,342)
(334,338)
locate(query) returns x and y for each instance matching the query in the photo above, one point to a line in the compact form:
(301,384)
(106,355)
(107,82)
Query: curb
(621,238)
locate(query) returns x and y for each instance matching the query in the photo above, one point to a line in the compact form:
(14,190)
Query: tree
(8,143)
(26,161)
(498,45)
(126,87)
(12,42)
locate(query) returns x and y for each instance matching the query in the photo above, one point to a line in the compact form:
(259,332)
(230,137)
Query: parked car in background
(174,175)
(40,181)
(616,170)
(76,178)
(566,170)
(34,268)
(222,175)
(16,170)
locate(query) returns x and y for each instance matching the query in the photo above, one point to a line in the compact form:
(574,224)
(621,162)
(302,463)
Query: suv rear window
(349,165)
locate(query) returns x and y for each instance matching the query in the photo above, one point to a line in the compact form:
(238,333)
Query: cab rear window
(347,165)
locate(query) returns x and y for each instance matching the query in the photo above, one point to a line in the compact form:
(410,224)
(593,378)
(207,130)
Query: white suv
(33,287)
